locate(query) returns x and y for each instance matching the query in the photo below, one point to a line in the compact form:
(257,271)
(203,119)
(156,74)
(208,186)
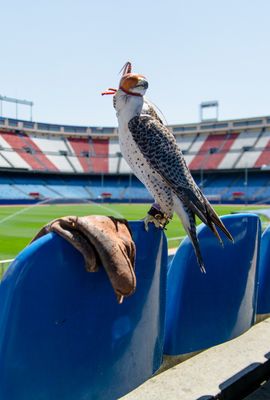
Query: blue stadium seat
(62,333)
(204,310)
(264,274)
(43,190)
(70,191)
(10,192)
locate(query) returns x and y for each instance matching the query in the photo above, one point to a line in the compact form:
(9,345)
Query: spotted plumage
(160,149)
(152,153)
(145,173)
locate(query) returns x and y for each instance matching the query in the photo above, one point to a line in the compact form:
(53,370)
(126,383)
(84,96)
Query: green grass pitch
(18,224)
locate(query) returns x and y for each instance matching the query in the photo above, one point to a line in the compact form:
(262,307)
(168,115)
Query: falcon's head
(130,83)
(133,84)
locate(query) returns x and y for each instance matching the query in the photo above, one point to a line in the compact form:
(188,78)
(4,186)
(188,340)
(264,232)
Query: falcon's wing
(161,151)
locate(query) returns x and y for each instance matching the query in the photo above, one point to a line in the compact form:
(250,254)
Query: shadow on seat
(62,333)
(207,309)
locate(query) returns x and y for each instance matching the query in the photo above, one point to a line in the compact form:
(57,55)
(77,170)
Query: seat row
(63,334)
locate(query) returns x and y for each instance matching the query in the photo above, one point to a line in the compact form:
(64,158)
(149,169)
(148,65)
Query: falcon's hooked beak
(130,83)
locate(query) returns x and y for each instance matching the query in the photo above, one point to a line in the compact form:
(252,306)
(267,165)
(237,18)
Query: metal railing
(4,264)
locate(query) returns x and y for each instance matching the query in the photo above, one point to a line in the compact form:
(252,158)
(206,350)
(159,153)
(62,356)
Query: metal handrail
(4,264)
(6,261)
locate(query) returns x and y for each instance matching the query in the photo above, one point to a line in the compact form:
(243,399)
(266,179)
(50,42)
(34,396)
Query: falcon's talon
(146,222)
(159,219)
(153,220)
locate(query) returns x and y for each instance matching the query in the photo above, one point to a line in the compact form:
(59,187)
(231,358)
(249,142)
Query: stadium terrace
(230,160)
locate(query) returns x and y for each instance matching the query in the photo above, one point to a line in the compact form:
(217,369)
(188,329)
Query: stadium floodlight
(209,104)
(16,102)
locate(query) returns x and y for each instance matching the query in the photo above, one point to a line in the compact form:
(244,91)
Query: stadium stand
(82,149)
(11,192)
(56,151)
(21,185)
(212,152)
(219,188)
(10,156)
(24,146)
(229,160)
(263,156)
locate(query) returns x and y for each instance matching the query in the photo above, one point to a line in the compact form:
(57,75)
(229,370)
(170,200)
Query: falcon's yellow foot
(150,218)
(157,217)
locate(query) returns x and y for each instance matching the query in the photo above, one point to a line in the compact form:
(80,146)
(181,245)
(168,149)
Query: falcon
(151,151)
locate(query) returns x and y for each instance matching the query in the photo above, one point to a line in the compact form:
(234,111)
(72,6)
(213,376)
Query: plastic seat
(62,333)
(263,306)
(204,310)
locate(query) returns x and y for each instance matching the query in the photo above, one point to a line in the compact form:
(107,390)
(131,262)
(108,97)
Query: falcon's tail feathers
(187,217)
(199,204)
(194,240)
(214,220)
(215,232)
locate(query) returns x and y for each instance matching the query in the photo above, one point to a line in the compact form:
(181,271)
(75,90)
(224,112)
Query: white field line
(23,210)
(27,208)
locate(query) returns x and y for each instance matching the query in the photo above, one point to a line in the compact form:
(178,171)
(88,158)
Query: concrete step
(230,371)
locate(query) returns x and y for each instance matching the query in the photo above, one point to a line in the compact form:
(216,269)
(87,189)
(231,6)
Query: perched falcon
(152,153)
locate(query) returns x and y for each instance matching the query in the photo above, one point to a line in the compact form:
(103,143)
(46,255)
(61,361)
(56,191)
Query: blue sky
(61,54)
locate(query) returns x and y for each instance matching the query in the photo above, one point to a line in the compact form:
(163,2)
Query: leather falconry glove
(101,240)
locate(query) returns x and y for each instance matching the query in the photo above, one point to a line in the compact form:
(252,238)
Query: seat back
(207,309)
(62,333)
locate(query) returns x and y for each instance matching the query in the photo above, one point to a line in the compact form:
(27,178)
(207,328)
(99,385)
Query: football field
(18,224)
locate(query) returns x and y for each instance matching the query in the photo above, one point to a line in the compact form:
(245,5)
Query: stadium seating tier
(89,150)
(43,148)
